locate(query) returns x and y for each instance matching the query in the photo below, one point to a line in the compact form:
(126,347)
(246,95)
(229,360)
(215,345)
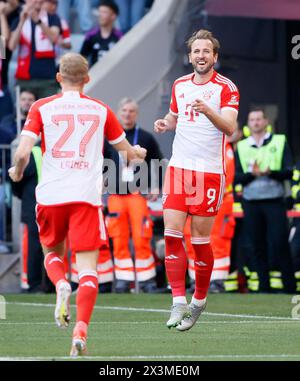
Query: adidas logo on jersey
(211,210)
(172,256)
(200,263)
(88,284)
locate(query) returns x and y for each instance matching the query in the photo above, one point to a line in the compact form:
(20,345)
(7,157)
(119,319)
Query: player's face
(257,121)
(202,56)
(106,16)
(26,100)
(128,115)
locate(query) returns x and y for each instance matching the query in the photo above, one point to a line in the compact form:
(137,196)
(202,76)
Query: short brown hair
(203,34)
(73,68)
(258,109)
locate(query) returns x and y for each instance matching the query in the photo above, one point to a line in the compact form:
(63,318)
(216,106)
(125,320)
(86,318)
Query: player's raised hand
(161,126)
(15,177)
(25,12)
(199,106)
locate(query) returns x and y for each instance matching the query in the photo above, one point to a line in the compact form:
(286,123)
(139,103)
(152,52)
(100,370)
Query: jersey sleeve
(173,104)
(34,124)
(113,130)
(230,97)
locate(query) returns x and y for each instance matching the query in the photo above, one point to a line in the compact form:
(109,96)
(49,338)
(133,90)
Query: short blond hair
(73,68)
(203,34)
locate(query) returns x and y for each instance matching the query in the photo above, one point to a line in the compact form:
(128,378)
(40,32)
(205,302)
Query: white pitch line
(111,308)
(164,357)
(4,323)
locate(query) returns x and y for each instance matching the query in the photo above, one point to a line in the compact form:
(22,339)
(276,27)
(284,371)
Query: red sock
(54,266)
(204,263)
(175,261)
(86,295)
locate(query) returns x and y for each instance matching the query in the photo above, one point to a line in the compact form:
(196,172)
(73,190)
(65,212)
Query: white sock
(179,300)
(198,302)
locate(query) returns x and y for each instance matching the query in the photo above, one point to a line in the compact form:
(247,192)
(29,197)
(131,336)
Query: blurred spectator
(64,41)
(131,11)
(36,32)
(8,125)
(84,12)
(6,106)
(263,163)
(101,39)
(8,131)
(127,206)
(95,3)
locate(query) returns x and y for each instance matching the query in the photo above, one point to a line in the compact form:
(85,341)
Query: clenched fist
(140,153)
(161,126)
(15,177)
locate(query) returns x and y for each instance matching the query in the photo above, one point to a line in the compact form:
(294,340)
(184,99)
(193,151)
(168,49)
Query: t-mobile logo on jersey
(296,48)
(191,113)
(2,48)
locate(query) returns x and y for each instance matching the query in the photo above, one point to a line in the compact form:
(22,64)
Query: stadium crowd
(259,252)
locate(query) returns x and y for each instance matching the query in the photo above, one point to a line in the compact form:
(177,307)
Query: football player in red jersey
(72,127)
(204,108)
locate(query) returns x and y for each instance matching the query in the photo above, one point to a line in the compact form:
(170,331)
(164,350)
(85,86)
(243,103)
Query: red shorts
(192,192)
(83,224)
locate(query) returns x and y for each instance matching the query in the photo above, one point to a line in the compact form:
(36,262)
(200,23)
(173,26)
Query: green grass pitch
(132,327)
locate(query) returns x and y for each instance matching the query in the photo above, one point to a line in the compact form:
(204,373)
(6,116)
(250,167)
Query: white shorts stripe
(221,192)
(101,225)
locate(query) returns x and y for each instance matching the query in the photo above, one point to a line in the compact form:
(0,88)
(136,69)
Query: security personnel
(127,206)
(295,243)
(263,163)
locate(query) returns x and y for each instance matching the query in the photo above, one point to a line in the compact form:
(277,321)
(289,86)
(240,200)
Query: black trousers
(265,241)
(295,245)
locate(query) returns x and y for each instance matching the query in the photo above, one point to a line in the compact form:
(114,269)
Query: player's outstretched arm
(167,124)
(130,152)
(21,158)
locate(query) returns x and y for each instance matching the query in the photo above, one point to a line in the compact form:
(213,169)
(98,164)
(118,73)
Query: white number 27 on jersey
(70,119)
